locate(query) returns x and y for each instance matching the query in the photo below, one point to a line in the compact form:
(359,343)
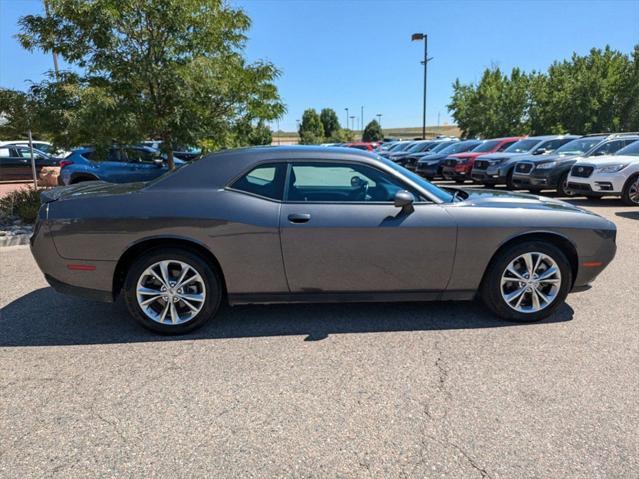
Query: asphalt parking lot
(358,390)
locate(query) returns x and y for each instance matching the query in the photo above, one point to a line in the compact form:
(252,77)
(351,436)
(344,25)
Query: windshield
(432,189)
(417,147)
(630,150)
(441,146)
(577,147)
(401,146)
(459,147)
(488,145)
(522,146)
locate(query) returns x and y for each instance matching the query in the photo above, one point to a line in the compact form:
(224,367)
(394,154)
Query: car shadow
(632,215)
(46,318)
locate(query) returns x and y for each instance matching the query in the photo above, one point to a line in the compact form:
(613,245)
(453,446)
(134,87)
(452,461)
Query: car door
(340,232)
(9,164)
(142,166)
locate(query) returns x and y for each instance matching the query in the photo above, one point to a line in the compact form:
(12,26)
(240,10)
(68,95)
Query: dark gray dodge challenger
(309,224)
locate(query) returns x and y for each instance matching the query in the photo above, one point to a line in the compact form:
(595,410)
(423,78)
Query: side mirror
(158,162)
(404,200)
(540,151)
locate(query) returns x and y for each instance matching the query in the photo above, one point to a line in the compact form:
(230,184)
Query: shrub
(23,203)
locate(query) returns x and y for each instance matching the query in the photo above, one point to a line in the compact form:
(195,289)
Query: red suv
(457,167)
(362,145)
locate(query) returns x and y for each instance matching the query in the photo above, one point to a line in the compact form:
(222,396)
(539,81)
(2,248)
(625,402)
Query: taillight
(64,163)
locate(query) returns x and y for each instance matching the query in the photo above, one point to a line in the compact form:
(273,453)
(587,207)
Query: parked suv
(497,168)
(430,166)
(551,171)
(15,162)
(611,175)
(121,165)
(458,166)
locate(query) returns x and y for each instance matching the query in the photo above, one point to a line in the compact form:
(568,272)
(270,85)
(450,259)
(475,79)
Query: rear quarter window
(265,180)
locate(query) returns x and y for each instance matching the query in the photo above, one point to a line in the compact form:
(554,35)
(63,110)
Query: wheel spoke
(185,271)
(164,269)
(192,297)
(543,297)
(548,273)
(191,307)
(550,281)
(148,291)
(175,317)
(148,301)
(528,259)
(512,271)
(164,311)
(535,300)
(510,297)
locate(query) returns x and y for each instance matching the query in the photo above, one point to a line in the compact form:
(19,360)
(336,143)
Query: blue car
(122,165)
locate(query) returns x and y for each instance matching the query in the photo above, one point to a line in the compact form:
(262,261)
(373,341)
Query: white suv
(611,175)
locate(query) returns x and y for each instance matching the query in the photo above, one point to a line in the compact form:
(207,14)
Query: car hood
(503,199)
(502,156)
(609,160)
(546,158)
(432,157)
(90,188)
(465,156)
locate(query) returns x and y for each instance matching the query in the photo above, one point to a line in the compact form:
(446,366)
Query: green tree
(311,130)
(373,132)
(343,135)
(330,122)
(167,69)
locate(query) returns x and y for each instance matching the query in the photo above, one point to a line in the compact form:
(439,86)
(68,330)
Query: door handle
(299,217)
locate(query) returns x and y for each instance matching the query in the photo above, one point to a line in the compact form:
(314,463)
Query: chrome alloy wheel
(170,292)
(530,282)
(633,192)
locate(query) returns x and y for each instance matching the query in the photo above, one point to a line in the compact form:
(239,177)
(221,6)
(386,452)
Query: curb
(14,240)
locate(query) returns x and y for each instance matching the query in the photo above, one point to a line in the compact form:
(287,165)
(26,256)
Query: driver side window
(340,183)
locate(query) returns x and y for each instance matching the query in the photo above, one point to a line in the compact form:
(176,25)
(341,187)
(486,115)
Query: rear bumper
(86,293)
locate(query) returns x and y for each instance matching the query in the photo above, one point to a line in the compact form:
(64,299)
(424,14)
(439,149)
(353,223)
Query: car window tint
(506,145)
(25,152)
(341,183)
(552,145)
(265,180)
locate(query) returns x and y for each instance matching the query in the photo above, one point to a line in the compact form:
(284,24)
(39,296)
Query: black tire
(562,185)
(209,275)
(594,197)
(630,190)
(490,289)
(460,182)
(509,180)
(534,191)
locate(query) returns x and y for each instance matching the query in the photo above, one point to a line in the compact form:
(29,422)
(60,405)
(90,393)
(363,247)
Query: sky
(349,54)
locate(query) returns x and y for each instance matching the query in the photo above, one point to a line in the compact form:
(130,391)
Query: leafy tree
(167,69)
(373,132)
(311,130)
(330,122)
(18,114)
(343,135)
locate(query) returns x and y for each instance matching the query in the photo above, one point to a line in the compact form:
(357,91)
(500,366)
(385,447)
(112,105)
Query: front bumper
(429,171)
(597,184)
(490,175)
(547,179)
(455,173)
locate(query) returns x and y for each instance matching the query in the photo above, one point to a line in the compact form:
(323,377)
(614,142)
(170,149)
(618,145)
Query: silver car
(310,224)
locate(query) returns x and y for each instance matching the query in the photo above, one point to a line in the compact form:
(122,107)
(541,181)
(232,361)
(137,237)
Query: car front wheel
(630,195)
(527,281)
(172,291)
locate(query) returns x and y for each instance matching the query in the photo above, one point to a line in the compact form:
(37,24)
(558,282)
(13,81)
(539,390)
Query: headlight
(611,168)
(546,166)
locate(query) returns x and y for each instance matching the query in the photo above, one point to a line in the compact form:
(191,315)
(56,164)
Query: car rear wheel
(172,291)
(509,181)
(630,195)
(527,281)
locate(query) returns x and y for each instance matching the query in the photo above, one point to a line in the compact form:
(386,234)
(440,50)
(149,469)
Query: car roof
(219,168)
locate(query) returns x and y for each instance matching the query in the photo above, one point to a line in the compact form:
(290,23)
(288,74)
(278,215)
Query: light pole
(361,119)
(346,117)
(352,122)
(417,37)
(379,119)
